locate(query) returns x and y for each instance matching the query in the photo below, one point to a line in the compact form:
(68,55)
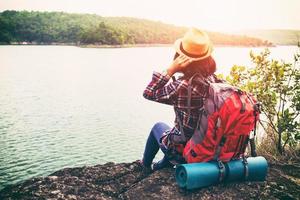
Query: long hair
(206,67)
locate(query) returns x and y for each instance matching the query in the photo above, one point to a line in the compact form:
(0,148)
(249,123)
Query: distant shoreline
(162,45)
(130,45)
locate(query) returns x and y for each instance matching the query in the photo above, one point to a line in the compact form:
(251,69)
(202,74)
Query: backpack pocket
(234,147)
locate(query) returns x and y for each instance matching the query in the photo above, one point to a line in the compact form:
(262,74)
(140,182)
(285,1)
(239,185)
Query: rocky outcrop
(126,181)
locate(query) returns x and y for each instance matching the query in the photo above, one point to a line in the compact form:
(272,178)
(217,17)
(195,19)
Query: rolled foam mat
(198,175)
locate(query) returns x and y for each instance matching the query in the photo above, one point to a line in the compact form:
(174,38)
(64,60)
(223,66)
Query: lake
(64,106)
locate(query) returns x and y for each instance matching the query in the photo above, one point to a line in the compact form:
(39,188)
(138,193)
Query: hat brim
(177,44)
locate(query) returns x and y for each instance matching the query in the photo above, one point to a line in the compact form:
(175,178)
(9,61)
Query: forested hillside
(58,27)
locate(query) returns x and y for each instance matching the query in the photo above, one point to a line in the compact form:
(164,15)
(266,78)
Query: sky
(215,15)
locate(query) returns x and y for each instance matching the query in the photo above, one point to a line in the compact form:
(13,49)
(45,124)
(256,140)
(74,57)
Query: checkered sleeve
(160,90)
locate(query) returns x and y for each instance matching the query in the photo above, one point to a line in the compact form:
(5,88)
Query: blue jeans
(153,145)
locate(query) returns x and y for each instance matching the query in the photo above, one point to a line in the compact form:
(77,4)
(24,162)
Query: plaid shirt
(175,93)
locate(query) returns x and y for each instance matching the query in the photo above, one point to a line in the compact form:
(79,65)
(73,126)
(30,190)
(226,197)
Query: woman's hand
(179,64)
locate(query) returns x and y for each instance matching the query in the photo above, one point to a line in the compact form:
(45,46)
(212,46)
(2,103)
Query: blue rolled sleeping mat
(198,175)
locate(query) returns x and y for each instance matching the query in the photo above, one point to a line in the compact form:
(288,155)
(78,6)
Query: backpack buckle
(222,170)
(193,153)
(257,107)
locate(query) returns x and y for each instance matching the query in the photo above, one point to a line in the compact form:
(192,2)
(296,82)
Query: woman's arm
(158,90)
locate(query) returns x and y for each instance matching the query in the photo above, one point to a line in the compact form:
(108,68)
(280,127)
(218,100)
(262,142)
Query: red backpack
(224,124)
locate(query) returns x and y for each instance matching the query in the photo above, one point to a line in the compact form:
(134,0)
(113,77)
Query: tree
(276,85)
(59,27)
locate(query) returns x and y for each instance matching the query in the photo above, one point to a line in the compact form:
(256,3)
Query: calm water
(65,106)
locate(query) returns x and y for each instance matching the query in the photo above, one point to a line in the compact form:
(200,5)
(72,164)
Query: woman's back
(198,93)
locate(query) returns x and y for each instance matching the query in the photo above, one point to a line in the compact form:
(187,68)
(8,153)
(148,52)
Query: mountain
(64,28)
(278,36)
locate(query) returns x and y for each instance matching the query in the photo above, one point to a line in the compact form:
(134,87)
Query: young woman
(193,56)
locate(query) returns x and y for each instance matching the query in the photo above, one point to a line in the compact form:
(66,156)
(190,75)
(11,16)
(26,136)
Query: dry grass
(268,149)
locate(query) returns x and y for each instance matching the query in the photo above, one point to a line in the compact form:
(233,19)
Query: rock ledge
(126,181)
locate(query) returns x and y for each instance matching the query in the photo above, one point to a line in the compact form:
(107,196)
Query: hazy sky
(223,15)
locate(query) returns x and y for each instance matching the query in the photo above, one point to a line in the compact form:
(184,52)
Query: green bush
(276,85)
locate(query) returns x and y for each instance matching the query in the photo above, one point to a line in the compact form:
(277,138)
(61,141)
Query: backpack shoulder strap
(179,122)
(180,125)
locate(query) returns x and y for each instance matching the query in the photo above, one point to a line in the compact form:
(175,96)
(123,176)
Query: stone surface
(126,181)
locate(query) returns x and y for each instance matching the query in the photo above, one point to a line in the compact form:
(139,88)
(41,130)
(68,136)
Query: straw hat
(194,44)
